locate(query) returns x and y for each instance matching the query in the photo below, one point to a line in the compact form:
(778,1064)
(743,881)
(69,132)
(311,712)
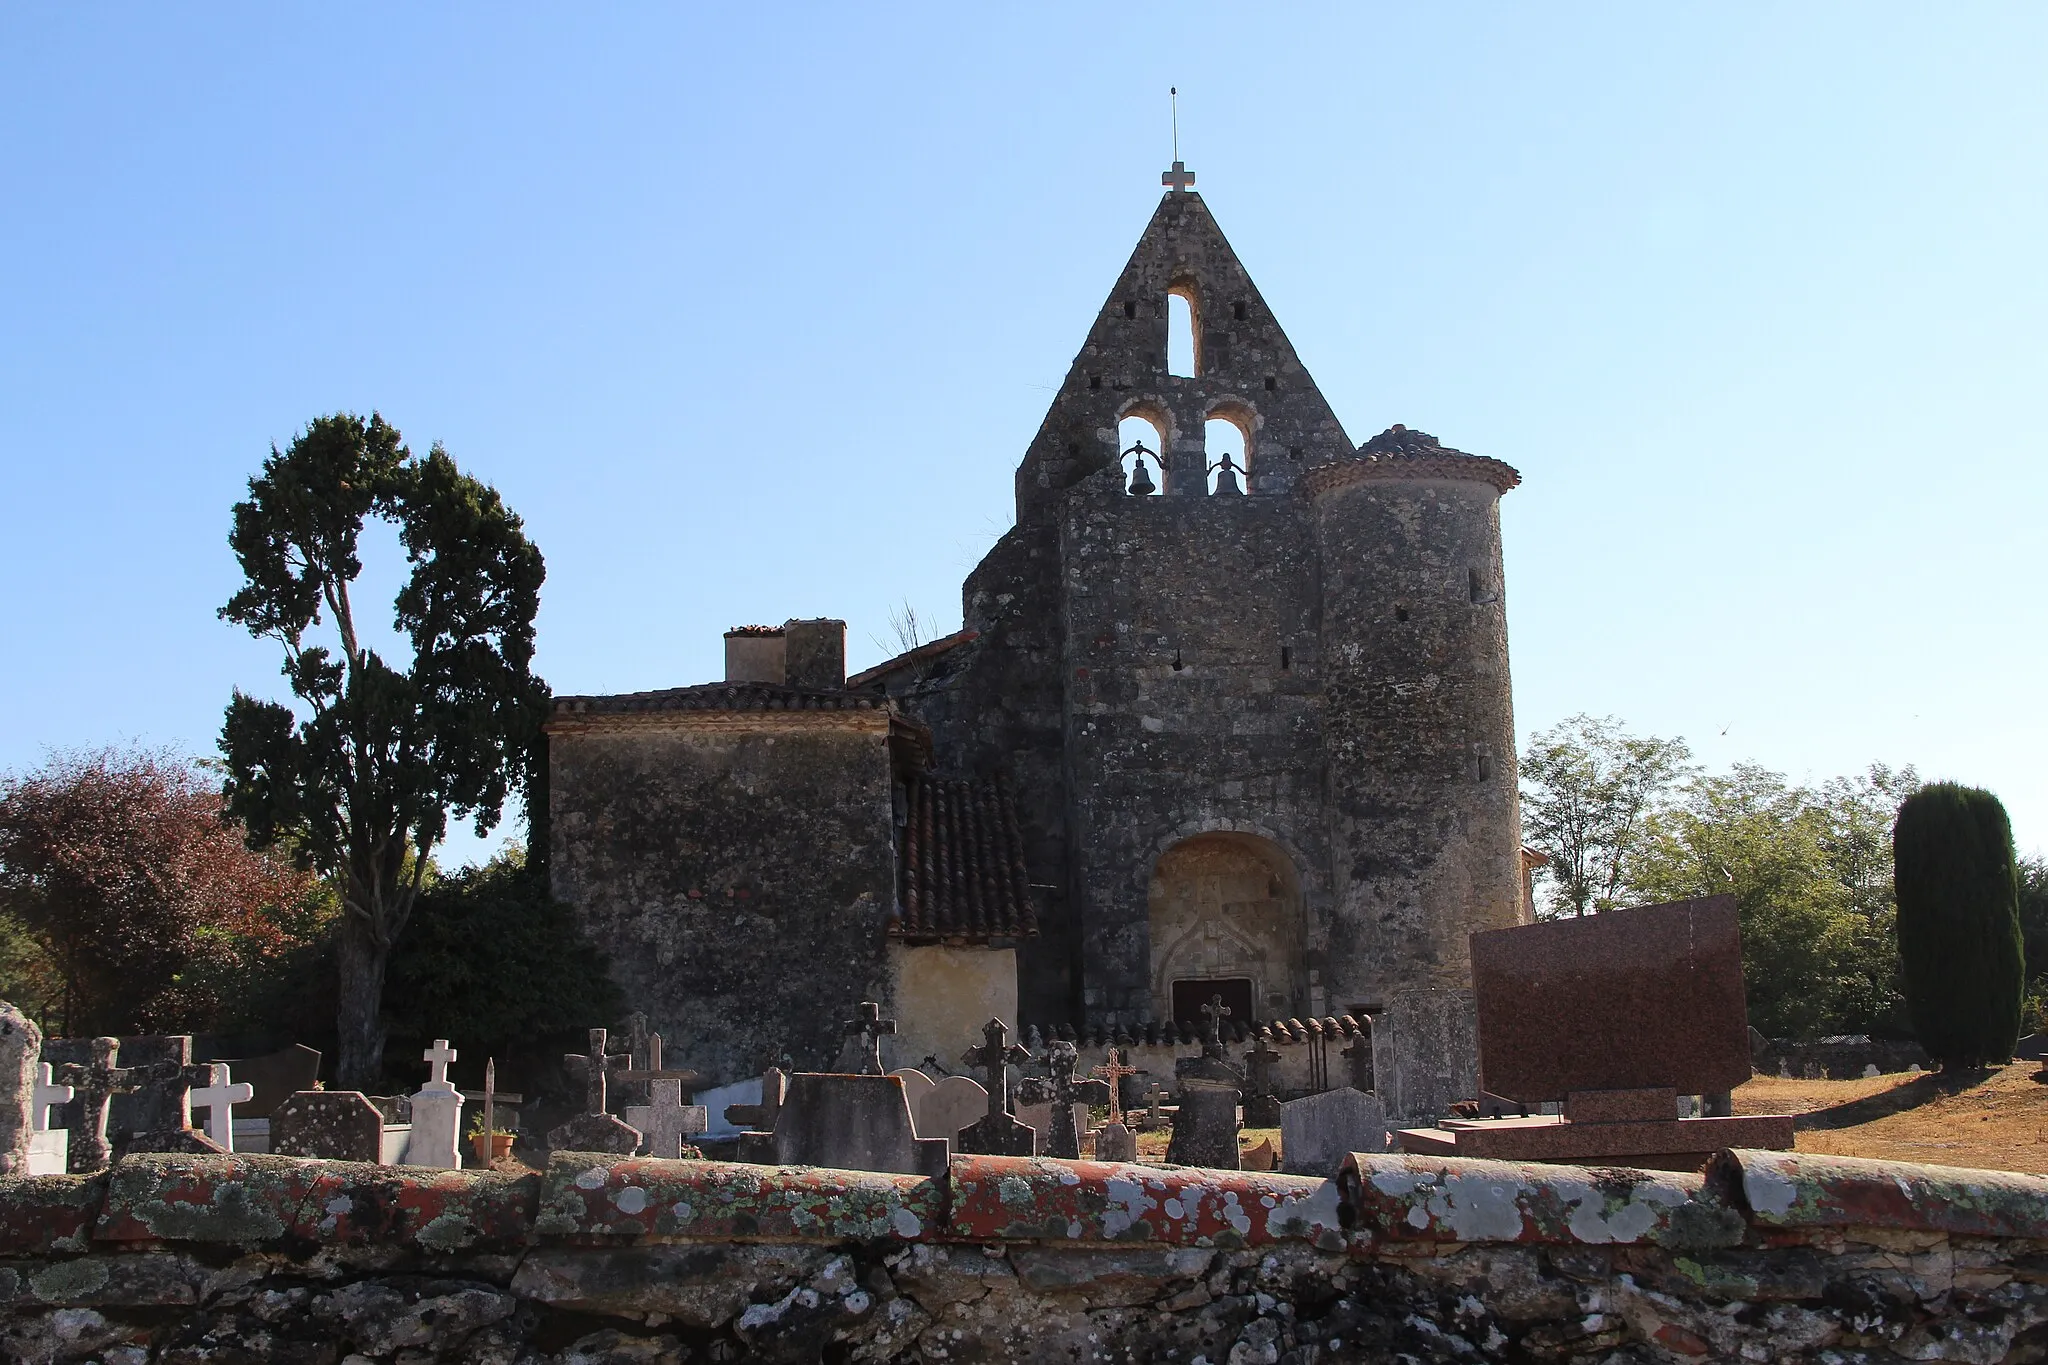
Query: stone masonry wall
(1768,1257)
(738,876)
(1183,717)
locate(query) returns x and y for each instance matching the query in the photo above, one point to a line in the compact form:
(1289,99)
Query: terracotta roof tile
(1399,453)
(961,875)
(722,696)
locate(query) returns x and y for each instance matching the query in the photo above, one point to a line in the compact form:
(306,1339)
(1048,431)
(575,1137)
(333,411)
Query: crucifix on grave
(665,1119)
(596,1068)
(997,1133)
(491,1097)
(47,1095)
(1112,1073)
(595,1130)
(218,1097)
(869,1025)
(96,1081)
(1063,1139)
(1213,1015)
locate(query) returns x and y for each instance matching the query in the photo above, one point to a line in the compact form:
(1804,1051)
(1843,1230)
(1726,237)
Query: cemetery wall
(1768,1256)
(736,874)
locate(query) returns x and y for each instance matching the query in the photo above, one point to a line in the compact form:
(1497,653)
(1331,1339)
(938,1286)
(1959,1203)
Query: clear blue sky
(750,311)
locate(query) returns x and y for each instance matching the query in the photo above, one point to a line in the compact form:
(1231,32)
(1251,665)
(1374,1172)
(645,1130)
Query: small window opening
(1181,356)
(1131,433)
(1481,585)
(1237,311)
(1094,381)
(1130,310)
(1223,441)
(1286,658)
(1400,613)
(1073,448)
(1294,452)
(1177,665)
(1271,383)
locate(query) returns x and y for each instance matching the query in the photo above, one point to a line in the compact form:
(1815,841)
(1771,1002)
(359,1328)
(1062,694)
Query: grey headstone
(21,1050)
(853,1123)
(998,1135)
(1205,1126)
(148,1108)
(595,1133)
(1317,1132)
(335,1125)
(949,1106)
(1114,1142)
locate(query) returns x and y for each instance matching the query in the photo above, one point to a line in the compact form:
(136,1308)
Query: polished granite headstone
(1642,997)
(1614,1016)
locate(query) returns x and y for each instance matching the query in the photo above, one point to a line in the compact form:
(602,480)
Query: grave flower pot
(492,1148)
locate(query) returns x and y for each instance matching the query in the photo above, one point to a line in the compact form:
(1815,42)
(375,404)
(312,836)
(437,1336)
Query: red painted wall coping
(290,1203)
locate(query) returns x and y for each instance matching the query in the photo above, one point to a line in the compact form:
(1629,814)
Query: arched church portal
(1226,920)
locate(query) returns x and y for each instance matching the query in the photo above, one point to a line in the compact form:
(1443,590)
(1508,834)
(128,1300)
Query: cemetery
(1150,970)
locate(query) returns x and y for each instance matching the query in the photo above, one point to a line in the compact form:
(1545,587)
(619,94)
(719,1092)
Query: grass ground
(1994,1121)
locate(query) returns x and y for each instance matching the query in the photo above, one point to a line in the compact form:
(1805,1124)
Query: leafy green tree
(492,958)
(361,776)
(1959,923)
(1589,791)
(2034,915)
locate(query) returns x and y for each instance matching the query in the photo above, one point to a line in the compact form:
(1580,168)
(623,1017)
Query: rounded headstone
(21,1047)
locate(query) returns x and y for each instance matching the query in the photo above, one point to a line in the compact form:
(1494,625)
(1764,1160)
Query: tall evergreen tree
(1959,928)
(361,776)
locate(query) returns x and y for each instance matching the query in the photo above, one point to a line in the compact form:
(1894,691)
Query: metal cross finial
(1180,177)
(870,1025)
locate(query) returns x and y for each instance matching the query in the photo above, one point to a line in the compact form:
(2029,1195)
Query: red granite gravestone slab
(1650,996)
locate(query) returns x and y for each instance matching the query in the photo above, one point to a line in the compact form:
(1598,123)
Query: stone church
(1240,728)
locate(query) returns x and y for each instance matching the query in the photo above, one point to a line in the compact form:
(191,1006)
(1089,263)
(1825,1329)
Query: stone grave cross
(869,1026)
(97,1081)
(218,1097)
(47,1094)
(1213,1015)
(1359,1054)
(995,1057)
(595,1068)
(1261,1107)
(1060,1060)
(1112,1073)
(437,1059)
(665,1120)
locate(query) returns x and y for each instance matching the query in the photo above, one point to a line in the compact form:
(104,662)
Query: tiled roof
(1399,453)
(961,877)
(929,650)
(722,696)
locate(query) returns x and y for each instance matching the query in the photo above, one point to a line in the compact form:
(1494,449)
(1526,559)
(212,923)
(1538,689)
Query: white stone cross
(219,1099)
(437,1059)
(667,1122)
(46,1095)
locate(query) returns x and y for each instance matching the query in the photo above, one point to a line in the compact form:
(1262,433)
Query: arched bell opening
(1225,913)
(1141,446)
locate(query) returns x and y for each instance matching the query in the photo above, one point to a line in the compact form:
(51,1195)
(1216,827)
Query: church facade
(1241,731)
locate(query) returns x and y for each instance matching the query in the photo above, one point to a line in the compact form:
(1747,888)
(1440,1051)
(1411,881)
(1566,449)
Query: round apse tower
(1419,733)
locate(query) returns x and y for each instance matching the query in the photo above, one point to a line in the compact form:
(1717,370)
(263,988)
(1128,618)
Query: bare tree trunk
(359,1022)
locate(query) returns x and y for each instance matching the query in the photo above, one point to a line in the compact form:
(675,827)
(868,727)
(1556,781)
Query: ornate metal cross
(995,1056)
(870,1025)
(1112,1073)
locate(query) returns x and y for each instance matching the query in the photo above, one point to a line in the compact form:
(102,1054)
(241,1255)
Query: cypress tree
(1959,928)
